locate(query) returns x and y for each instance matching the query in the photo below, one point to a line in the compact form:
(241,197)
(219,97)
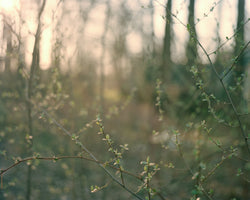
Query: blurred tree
(239,39)
(208,150)
(239,43)
(119,49)
(7,35)
(191,51)
(103,56)
(84,12)
(152,13)
(166,54)
(240,73)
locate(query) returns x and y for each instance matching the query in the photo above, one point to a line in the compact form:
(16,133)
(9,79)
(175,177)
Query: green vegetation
(152,128)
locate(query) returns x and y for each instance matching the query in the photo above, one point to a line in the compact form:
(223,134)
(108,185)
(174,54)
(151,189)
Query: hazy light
(88,38)
(46,49)
(134,42)
(8,4)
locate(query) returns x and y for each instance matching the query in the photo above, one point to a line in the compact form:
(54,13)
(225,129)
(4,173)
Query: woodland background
(155,92)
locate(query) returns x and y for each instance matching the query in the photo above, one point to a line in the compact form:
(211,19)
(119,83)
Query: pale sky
(71,28)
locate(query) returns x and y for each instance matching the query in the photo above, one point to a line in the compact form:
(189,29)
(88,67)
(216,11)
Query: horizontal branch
(55,158)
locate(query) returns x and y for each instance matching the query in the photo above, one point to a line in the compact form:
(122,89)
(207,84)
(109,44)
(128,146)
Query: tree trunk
(239,42)
(33,70)
(191,51)
(239,72)
(152,12)
(239,39)
(166,56)
(8,36)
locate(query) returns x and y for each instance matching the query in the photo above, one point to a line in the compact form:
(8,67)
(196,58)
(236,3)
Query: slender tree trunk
(166,55)
(8,36)
(191,51)
(85,15)
(239,42)
(239,39)
(33,70)
(119,49)
(239,72)
(21,65)
(152,12)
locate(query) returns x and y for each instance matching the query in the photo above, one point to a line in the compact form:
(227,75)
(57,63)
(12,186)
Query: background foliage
(132,124)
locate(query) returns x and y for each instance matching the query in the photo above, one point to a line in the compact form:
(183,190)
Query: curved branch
(55,158)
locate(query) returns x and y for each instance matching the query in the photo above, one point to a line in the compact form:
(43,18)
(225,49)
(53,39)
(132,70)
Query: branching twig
(109,143)
(210,11)
(91,155)
(222,83)
(236,60)
(229,38)
(227,93)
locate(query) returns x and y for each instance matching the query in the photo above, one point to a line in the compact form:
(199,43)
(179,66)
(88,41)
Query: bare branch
(236,60)
(55,158)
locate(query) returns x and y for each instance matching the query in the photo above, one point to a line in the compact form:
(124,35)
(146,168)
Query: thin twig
(236,60)
(215,168)
(111,147)
(91,155)
(229,38)
(205,192)
(210,11)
